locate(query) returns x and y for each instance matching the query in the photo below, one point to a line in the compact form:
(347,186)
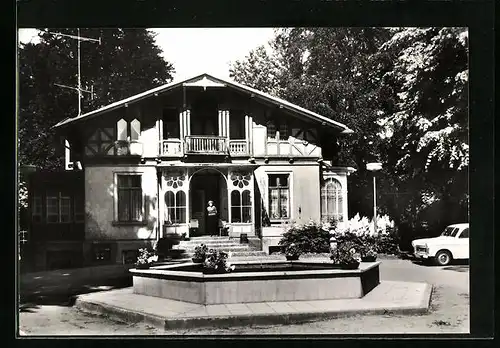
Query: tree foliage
(404,93)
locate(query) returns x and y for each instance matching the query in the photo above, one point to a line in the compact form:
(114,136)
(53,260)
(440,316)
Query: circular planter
(369,259)
(292,257)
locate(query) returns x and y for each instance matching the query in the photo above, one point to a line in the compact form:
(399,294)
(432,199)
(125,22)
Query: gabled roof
(206,80)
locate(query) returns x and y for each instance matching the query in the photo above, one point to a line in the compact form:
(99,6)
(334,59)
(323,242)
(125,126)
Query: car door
(463,244)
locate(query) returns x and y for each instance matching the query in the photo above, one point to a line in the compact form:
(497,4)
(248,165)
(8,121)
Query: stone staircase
(221,243)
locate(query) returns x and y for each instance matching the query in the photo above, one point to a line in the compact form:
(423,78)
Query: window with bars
(331,200)
(36,209)
(58,207)
(129,191)
(241,206)
(279,196)
(176,207)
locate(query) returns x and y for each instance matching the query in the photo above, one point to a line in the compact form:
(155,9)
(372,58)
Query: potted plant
(145,259)
(292,252)
(346,256)
(369,254)
(216,262)
(200,253)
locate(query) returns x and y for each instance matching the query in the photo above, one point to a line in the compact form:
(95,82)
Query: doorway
(207,185)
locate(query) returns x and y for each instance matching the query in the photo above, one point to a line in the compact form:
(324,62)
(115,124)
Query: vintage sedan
(452,244)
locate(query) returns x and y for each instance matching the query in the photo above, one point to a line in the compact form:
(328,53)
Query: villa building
(145,166)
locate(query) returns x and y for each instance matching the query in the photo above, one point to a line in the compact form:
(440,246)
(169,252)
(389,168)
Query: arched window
(241,206)
(331,200)
(176,207)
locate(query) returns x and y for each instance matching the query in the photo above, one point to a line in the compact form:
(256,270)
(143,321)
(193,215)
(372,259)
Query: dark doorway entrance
(207,185)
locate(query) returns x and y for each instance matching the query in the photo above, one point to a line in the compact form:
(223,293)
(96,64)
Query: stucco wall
(100,204)
(304,188)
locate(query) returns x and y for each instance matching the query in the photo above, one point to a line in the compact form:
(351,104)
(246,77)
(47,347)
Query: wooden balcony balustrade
(201,144)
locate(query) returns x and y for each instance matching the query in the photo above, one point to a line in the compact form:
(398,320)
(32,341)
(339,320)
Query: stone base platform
(124,305)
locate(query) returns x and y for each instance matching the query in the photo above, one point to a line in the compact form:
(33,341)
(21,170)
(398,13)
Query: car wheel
(443,258)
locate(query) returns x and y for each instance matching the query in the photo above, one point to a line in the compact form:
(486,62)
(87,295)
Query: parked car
(452,244)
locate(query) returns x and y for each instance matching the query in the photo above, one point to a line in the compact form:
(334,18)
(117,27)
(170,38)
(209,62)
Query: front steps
(220,243)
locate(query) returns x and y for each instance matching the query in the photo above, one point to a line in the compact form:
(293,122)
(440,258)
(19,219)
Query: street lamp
(374,167)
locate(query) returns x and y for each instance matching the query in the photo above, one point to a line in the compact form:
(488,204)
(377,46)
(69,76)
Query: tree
(426,130)
(126,63)
(327,70)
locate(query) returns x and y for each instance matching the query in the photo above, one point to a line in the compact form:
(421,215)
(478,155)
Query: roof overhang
(209,81)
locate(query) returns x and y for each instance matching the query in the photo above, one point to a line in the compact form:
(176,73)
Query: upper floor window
(277,130)
(129,190)
(236,124)
(331,200)
(279,196)
(128,130)
(58,207)
(171,127)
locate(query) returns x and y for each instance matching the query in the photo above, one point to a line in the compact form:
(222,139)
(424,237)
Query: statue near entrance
(212,220)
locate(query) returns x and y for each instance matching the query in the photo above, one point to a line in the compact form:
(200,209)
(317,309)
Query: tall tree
(426,129)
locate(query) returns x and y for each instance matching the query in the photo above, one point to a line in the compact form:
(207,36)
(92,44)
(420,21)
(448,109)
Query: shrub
(309,238)
(346,254)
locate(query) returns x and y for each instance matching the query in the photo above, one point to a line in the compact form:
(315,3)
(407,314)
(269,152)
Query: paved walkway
(123,304)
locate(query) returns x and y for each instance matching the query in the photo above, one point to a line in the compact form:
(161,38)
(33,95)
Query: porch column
(181,124)
(161,202)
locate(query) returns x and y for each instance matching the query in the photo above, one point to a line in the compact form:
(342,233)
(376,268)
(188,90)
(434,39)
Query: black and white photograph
(243,181)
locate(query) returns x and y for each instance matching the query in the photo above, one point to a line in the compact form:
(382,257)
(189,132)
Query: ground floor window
(331,200)
(241,206)
(176,207)
(279,196)
(129,191)
(58,207)
(36,209)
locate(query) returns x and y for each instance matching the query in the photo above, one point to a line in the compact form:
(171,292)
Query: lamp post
(374,167)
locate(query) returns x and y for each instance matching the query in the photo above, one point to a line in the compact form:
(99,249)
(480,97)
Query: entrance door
(207,185)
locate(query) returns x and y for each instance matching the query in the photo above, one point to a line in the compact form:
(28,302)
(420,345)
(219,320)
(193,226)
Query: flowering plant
(216,261)
(146,257)
(346,255)
(292,250)
(200,252)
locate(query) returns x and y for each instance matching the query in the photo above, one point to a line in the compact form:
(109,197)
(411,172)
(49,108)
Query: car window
(447,231)
(455,231)
(465,233)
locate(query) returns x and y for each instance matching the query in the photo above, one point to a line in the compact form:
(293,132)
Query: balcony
(201,144)
(209,145)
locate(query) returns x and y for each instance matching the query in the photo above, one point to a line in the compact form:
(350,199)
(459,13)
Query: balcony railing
(203,145)
(171,148)
(206,144)
(238,147)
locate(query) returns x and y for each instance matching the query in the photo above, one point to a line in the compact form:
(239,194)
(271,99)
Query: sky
(194,51)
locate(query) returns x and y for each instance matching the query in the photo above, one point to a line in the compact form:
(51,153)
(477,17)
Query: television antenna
(79,88)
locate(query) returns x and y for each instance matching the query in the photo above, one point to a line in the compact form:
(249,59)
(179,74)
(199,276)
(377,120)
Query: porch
(185,192)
